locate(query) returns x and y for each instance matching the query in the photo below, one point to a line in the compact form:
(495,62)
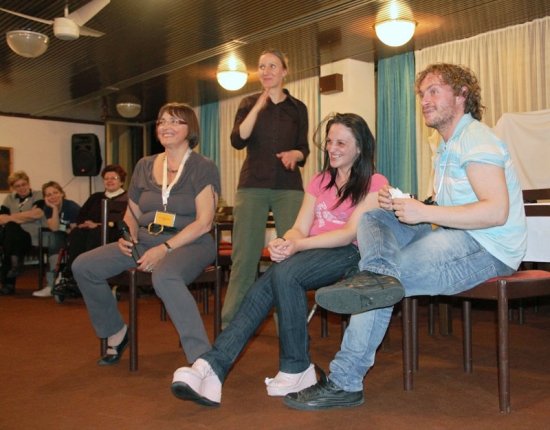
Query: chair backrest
(216,234)
(538,225)
(270,221)
(224,223)
(533,196)
(224,214)
(111,212)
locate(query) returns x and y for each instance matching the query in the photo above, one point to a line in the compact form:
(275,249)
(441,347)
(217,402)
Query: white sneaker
(285,383)
(44,292)
(198,383)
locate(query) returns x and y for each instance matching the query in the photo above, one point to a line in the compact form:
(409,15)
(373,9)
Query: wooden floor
(49,378)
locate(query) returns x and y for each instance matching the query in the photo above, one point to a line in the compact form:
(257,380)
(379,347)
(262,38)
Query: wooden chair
(520,285)
(134,278)
(270,223)
(39,252)
(224,219)
(324,320)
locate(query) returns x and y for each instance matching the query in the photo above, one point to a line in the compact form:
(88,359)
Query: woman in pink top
(315,252)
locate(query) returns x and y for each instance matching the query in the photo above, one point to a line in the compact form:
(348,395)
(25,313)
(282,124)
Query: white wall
(43,150)
(359,95)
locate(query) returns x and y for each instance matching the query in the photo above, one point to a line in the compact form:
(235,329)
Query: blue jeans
(427,262)
(283,286)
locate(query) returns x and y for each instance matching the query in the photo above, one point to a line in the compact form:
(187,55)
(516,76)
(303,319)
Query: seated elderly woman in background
(86,235)
(21,216)
(61,217)
(172,200)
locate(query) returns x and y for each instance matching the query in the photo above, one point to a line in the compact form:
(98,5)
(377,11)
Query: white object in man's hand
(396,193)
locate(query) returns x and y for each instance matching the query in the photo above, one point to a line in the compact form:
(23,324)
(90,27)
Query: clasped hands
(280,249)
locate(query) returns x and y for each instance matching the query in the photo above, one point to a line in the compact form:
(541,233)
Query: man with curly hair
(481,233)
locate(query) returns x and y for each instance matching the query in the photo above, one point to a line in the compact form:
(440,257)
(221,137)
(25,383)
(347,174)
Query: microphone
(124,232)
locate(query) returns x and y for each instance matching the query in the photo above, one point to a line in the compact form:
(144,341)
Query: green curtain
(396,129)
(210,132)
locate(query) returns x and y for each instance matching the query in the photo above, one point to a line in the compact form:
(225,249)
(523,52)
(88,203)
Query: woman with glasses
(21,216)
(272,126)
(87,234)
(172,200)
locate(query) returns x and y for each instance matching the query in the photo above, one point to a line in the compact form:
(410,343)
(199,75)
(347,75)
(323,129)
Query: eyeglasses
(111,178)
(171,121)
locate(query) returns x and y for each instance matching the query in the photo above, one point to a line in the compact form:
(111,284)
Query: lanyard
(440,175)
(21,204)
(167,188)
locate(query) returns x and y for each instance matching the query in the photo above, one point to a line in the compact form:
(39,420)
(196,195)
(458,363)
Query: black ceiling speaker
(86,155)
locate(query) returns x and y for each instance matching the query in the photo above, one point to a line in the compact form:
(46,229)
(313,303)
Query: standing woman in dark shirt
(272,126)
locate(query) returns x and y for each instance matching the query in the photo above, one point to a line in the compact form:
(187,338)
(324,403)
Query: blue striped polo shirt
(473,141)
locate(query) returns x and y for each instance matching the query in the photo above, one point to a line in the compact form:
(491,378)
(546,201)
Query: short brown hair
(15,176)
(114,168)
(54,185)
(457,77)
(185,112)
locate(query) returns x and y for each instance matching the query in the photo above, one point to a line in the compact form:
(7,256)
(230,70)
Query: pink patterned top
(326,218)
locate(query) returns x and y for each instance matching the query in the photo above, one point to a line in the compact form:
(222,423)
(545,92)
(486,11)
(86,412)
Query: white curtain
(513,68)
(306,90)
(527,135)
(231,160)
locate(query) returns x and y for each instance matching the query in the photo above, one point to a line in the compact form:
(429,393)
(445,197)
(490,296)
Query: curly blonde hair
(457,77)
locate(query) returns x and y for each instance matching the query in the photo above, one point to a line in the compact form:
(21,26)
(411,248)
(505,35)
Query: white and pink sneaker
(285,383)
(198,383)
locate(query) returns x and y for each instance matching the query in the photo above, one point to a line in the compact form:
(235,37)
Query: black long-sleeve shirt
(278,128)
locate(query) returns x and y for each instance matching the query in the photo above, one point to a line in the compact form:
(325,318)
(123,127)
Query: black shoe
(144,292)
(7,290)
(66,288)
(109,359)
(323,395)
(361,292)
(16,271)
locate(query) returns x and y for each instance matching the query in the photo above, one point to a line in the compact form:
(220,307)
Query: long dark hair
(363,167)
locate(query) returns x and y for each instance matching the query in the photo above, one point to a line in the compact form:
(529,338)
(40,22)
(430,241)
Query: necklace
(168,168)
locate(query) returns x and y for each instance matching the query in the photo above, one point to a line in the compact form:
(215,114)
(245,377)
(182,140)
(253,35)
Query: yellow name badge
(166,219)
